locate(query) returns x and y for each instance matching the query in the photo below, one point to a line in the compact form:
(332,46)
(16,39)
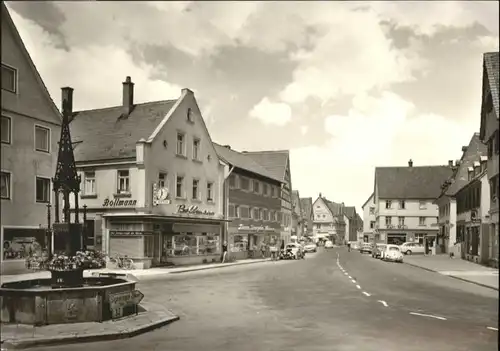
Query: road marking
(350,277)
(383,303)
(491,328)
(427,315)
(345,273)
(353,280)
(357,286)
(364,292)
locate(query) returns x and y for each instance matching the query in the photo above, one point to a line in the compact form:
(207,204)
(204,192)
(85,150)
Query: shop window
(195,189)
(19,243)
(240,244)
(193,244)
(149,246)
(89,187)
(123,181)
(5,183)
(42,139)
(42,189)
(6,130)
(9,78)
(210,191)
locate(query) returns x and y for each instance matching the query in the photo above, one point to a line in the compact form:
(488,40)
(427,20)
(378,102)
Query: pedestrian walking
(224,252)
(263,249)
(274,251)
(348,247)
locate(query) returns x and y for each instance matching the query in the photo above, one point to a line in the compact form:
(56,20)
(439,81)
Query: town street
(317,304)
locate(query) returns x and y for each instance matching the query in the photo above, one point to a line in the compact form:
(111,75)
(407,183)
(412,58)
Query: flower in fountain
(81,261)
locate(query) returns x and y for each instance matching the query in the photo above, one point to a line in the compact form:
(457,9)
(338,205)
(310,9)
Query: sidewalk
(457,268)
(137,273)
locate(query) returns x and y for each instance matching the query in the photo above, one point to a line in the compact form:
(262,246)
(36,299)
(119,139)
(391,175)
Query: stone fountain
(68,296)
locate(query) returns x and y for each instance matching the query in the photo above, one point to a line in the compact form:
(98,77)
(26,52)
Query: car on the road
(295,248)
(354,245)
(412,248)
(328,244)
(310,247)
(377,250)
(365,247)
(392,253)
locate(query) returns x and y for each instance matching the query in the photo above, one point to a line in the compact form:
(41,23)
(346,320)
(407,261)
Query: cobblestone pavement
(317,304)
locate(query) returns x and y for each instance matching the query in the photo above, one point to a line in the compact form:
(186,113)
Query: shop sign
(118,203)
(160,195)
(193,210)
(118,301)
(128,233)
(255,229)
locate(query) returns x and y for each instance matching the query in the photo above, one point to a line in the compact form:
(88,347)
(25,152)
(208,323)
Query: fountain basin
(37,302)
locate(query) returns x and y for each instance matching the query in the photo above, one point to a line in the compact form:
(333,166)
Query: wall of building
(286,205)
(369,216)
(323,221)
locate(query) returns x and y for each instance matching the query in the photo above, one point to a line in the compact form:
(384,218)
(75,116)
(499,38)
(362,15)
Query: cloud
(272,113)
(377,131)
(95,72)
(304,129)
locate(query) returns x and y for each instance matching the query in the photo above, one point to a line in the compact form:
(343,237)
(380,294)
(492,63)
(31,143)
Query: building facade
(329,222)
(30,131)
(278,164)
(489,134)
(368,219)
(447,204)
(404,208)
(473,205)
(352,224)
(307,215)
(297,219)
(253,205)
(151,179)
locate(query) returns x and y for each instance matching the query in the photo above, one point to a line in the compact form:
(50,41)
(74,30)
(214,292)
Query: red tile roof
(274,161)
(243,161)
(106,135)
(417,182)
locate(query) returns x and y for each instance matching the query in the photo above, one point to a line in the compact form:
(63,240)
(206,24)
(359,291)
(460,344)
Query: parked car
(310,247)
(328,244)
(412,248)
(354,245)
(365,247)
(393,253)
(377,250)
(295,249)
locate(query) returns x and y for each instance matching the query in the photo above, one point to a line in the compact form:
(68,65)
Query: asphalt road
(313,305)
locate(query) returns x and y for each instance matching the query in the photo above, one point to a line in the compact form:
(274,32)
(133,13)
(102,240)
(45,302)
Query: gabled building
(297,220)
(278,164)
(368,219)
(473,207)
(307,215)
(404,208)
(253,204)
(448,241)
(489,134)
(359,229)
(151,179)
(30,130)
(329,221)
(352,223)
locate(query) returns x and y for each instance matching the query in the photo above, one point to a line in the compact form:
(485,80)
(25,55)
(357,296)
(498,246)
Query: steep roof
(105,134)
(417,182)
(243,161)
(275,162)
(460,178)
(296,202)
(369,198)
(56,117)
(491,66)
(306,205)
(350,212)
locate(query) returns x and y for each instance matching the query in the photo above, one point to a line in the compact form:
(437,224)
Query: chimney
(450,163)
(464,148)
(128,96)
(410,163)
(67,101)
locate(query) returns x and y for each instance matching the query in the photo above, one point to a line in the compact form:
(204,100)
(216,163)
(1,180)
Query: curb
(75,338)
(215,267)
(455,277)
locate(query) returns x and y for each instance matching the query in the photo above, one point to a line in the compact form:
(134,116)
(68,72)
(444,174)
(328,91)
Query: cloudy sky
(344,86)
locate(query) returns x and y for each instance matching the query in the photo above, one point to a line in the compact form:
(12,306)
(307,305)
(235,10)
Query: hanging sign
(183,209)
(160,195)
(118,203)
